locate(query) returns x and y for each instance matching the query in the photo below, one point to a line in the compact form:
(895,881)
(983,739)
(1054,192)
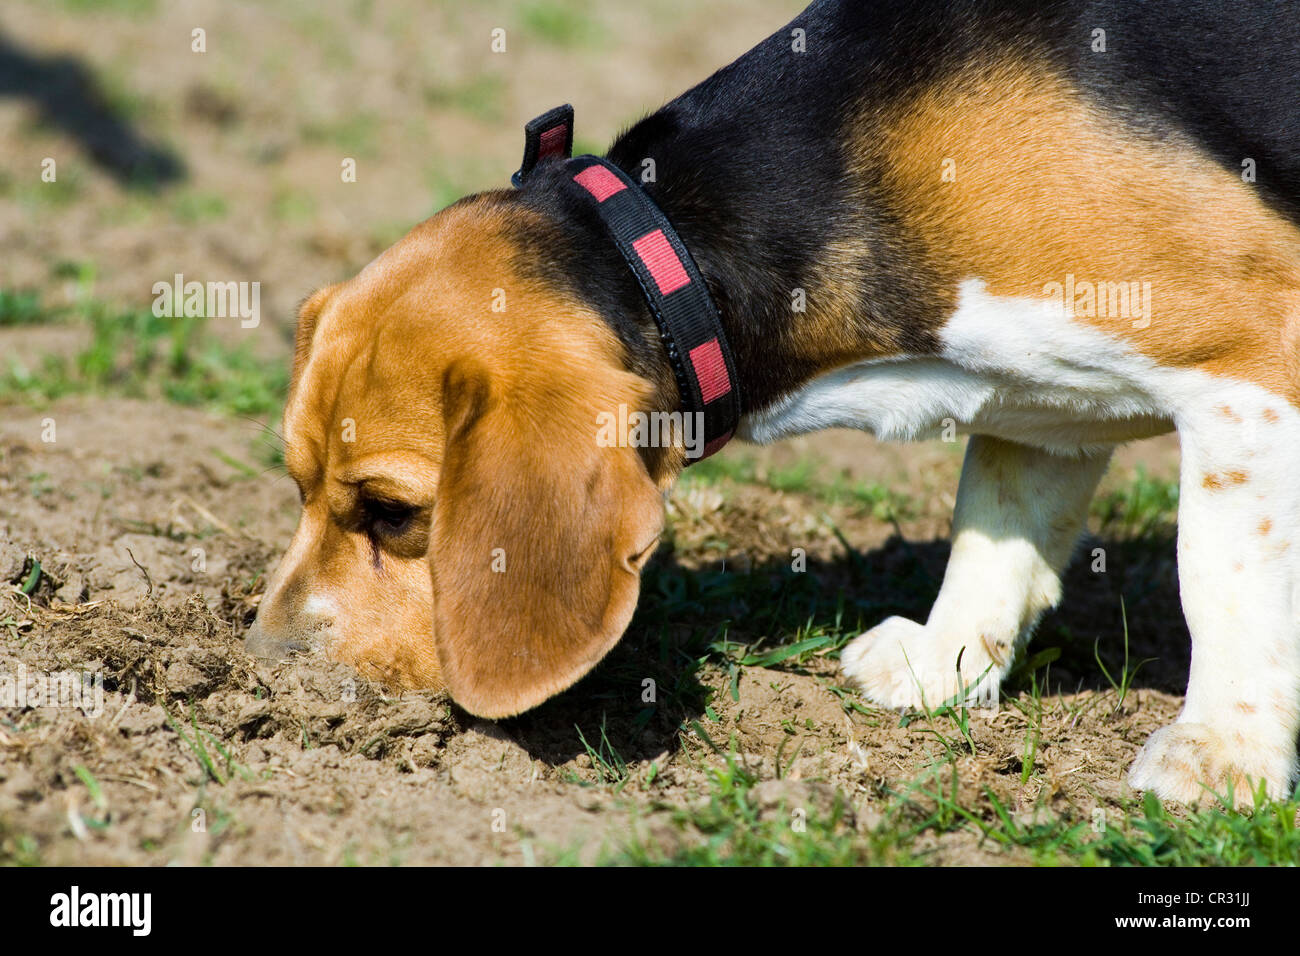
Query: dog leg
(1238,554)
(1019,511)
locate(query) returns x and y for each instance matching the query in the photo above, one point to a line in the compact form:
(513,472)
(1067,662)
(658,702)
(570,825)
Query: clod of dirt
(13,560)
(486,760)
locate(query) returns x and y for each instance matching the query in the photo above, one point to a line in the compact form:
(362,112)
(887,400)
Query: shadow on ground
(69,97)
(688,618)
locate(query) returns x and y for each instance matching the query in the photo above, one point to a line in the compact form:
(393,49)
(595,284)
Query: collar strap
(679,300)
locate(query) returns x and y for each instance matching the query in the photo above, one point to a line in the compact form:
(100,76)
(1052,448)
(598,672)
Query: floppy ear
(539,534)
(308,315)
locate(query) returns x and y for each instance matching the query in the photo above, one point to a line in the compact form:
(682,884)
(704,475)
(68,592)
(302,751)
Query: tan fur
(1049,185)
(830,333)
(486,421)
(569,523)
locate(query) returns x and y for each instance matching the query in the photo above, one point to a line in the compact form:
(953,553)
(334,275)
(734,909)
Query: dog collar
(688,321)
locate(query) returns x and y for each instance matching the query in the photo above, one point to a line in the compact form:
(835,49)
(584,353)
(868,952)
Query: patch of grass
(212,756)
(23,307)
(482,97)
(39,485)
(803,476)
(97,798)
(31,190)
(565,24)
(133,352)
(120,96)
(60,194)
(130,8)
(355,135)
(320,28)
(1032,708)
(777,607)
(1127,671)
(80,273)
(1144,834)
(741,469)
(1268,836)
(798,476)
(610,767)
(955,710)
(18,848)
(292,205)
(1144,507)
(732,827)
(194,207)
(884,503)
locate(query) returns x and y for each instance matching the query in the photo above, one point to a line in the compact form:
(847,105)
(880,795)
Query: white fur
(1047,398)
(1019,511)
(318,605)
(1011,368)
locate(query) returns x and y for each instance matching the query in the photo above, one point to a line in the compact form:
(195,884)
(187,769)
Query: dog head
(462,526)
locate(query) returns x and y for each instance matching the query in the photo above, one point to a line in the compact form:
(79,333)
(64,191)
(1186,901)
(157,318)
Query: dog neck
(766,172)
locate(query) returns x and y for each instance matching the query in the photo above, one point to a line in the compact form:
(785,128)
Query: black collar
(679,300)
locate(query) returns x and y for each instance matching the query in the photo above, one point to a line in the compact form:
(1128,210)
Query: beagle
(1054,225)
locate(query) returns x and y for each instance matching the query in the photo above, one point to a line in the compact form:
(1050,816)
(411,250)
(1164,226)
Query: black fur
(753,164)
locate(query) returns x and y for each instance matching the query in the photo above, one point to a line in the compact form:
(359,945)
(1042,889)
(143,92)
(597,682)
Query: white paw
(899,663)
(1191,762)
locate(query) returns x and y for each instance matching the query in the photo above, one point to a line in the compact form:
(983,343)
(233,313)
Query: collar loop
(689,325)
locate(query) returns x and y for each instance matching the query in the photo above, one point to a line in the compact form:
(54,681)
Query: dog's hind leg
(1019,512)
(1238,557)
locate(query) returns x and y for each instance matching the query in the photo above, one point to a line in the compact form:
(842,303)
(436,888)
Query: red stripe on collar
(688,321)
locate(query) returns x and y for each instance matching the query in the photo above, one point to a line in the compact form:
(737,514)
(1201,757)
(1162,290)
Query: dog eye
(387,517)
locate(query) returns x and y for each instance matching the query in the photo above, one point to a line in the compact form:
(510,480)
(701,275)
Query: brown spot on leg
(1265,526)
(1218,481)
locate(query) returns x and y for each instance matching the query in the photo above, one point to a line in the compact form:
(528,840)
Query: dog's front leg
(1238,527)
(1019,511)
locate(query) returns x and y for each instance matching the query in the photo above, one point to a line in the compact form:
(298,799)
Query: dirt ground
(309,764)
(154,525)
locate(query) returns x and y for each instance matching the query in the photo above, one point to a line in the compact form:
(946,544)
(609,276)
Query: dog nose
(261,644)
